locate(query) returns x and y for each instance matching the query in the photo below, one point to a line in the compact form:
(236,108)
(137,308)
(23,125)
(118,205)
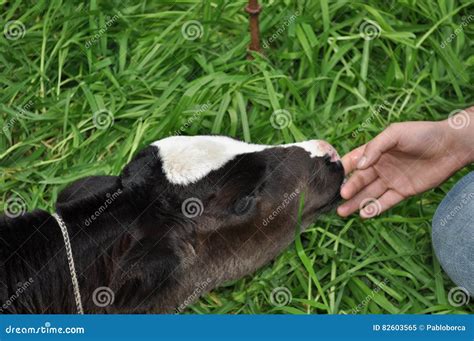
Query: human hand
(404,160)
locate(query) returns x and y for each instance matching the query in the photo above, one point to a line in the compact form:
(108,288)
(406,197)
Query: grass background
(336,85)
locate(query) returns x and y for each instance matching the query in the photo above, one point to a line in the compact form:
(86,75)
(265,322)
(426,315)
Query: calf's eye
(243,205)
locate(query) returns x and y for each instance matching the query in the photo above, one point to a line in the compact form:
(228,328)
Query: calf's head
(209,209)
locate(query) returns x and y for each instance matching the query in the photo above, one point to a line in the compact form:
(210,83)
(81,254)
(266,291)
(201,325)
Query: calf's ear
(144,169)
(88,191)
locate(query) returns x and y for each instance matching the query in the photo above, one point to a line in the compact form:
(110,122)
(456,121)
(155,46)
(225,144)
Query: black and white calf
(184,216)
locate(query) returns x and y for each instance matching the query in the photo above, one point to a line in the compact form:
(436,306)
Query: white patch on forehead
(312,147)
(187,159)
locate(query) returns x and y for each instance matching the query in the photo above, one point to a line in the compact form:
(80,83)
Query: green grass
(319,69)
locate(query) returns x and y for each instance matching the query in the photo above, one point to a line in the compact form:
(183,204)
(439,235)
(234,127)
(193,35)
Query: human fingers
(374,190)
(378,206)
(350,160)
(359,180)
(384,141)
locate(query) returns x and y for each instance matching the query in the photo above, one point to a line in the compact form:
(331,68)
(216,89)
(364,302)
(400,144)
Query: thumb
(350,160)
(384,141)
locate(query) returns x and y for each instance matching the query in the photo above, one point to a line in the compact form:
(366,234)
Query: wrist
(459,129)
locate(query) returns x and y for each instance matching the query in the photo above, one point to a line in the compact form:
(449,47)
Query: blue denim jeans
(453,233)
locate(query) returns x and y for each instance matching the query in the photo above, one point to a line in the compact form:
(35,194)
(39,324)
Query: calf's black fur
(142,246)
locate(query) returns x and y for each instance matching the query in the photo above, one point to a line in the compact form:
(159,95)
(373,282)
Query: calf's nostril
(328,149)
(327,159)
(339,165)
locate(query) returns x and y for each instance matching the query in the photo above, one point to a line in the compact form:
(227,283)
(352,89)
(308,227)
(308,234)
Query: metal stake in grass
(253,9)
